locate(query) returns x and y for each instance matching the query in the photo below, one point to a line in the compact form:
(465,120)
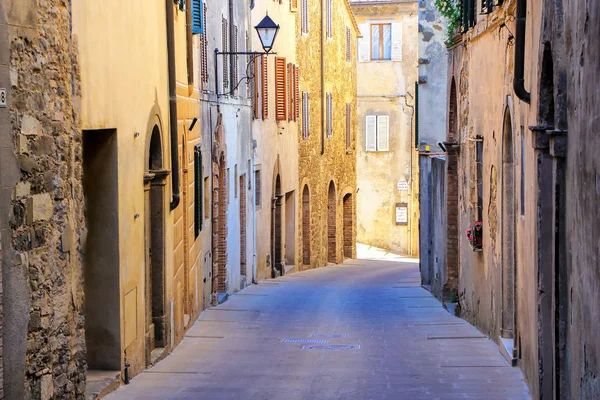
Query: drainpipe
(322,79)
(173,106)
(519,80)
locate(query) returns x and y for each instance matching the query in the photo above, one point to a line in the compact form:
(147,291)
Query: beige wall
(387,88)
(277,143)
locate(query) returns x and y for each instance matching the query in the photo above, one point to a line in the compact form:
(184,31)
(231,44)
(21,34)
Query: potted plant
(475,236)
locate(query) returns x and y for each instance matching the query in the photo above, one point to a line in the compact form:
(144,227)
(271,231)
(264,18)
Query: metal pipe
(519,78)
(322,78)
(176,190)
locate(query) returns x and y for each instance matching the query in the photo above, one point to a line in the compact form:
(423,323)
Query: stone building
(387,169)
(326,41)
(225,115)
(276,112)
(42,224)
(531,282)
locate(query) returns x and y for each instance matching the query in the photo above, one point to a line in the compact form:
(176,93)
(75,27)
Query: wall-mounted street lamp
(267,31)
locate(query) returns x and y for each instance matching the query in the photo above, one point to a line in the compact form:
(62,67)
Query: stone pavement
(362,330)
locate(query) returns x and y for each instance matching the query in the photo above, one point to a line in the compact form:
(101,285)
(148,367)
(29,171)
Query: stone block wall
(43,341)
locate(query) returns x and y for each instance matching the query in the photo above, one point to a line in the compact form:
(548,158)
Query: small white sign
(401,215)
(402,185)
(2,98)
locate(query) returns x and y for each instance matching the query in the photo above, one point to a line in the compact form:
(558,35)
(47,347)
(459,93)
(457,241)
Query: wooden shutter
(234,59)
(297,93)
(265,87)
(397,41)
(293,5)
(348,121)
(364,49)
(256,89)
(197,17)
(280,89)
(383,133)
(204,50)
(290,85)
(371,133)
(224,41)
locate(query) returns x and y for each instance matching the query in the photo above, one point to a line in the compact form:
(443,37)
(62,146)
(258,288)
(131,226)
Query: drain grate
(330,336)
(333,347)
(305,341)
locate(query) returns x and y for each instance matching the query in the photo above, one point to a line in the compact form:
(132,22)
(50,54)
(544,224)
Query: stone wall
(582,23)
(44,349)
(324,160)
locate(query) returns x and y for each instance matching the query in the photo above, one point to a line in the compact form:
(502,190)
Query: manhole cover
(305,341)
(333,347)
(330,336)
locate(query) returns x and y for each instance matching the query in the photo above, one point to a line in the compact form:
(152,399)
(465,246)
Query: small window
(207,195)
(305,17)
(348,125)
(257,188)
(479,161)
(381,42)
(235,187)
(377,133)
(348,44)
(225,46)
(305,116)
(329,19)
(329,115)
(198,192)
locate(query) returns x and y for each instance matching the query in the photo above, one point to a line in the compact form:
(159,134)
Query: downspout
(173,106)
(519,79)
(322,78)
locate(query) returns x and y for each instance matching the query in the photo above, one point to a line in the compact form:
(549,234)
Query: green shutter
(197,20)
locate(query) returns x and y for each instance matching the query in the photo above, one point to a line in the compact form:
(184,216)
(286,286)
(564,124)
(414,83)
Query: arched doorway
(508,228)
(331,225)
(277,268)
(154,185)
(306,226)
(348,226)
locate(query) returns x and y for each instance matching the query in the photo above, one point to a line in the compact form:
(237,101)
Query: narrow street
(362,330)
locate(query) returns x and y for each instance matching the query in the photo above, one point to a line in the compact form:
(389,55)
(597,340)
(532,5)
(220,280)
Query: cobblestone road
(363,330)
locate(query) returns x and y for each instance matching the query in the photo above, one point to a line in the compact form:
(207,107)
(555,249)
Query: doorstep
(508,351)
(289,268)
(99,383)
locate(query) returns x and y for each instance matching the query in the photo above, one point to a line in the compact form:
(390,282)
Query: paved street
(363,330)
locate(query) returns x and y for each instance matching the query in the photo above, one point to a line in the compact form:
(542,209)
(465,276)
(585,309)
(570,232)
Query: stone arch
(508,227)
(331,224)
(306,226)
(277,262)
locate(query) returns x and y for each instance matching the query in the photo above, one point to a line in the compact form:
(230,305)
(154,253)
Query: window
(197,17)
(479,161)
(235,188)
(469,16)
(305,115)
(206,195)
(204,51)
(329,19)
(348,126)
(280,89)
(522,171)
(293,5)
(225,45)
(234,59)
(304,17)
(296,93)
(265,88)
(381,42)
(329,99)
(198,191)
(257,188)
(348,44)
(377,133)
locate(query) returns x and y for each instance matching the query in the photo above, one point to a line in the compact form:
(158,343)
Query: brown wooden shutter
(296,93)
(224,42)
(294,5)
(290,85)
(204,53)
(256,89)
(280,89)
(265,88)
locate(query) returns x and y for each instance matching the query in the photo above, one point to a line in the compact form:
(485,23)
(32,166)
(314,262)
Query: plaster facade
(387,177)
(327,165)
(276,155)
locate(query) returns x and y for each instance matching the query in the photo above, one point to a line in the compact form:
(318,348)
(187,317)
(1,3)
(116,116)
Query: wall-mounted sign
(402,185)
(2,98)
(401,213)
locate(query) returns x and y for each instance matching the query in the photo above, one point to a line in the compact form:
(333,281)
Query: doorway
(101,253)
(290,230)
(276,227)
(348,226)
(306,226)
(331,225)
(243,230)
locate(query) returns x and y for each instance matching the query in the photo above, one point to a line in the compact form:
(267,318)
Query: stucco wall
(323,160)
(388,88)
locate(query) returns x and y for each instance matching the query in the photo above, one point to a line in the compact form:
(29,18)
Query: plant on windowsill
(475,236)
(450,10)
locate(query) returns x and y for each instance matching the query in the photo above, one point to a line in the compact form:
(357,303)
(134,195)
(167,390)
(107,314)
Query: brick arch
(306,226)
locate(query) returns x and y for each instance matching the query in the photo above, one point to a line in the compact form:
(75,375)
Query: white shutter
(371,133)
(397,41)
(383,133)
(363,43)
